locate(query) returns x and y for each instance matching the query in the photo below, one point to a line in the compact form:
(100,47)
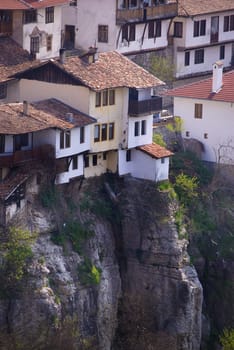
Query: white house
(127,26)
(110,88)
(207,110)
(42,130)
(203,32)
(35,25)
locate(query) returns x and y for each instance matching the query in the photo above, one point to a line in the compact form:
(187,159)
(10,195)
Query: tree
(227,339)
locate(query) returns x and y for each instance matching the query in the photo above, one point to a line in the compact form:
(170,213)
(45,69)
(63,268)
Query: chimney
(62,55)
(25,107)
(92,54)
(69,117)
(217,80)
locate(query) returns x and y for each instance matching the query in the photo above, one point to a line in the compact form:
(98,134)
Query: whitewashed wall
(134,141)
(143,166)
(71,173)
(217,122)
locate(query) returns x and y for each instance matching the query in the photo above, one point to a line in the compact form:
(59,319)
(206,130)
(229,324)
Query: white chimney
(217,80)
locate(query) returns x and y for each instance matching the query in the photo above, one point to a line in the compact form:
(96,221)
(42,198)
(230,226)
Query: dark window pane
(104,132)
(82,134)
(98,99)
(96,133)
(94,159)
(111,131)
(187,58)
(136,129)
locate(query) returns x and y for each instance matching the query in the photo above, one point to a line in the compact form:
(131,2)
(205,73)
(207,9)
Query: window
(105,98)
(73,3)
(30,16)
(198,111)
(128,155)
(86,161)
(111,97)
(132,32)
(49,14)
(82,134)
(98,99)
(103,34)
(187,134)
(3,91)
(178,29)
(104,155)
(96,133)
(24,140)
(162,160)
(104,132)
(136,129)
(222,52)
(129,32)
(34,44)
(199,28)
(111,131)
(143,127)
(205,136)
(65,139)
(2,143)
(228,24)
(154,29)
(187,58)
(199,56)
(94,159)
(75,162)
(49,42)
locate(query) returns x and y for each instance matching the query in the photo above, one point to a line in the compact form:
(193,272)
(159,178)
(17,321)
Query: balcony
(142,14)
(137,108)
(43,153)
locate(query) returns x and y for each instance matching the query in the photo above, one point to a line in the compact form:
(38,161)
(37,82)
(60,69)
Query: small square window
(178,29)
(205,136)
(199,56)
(162,160)
(75,162)
(98,99)
(94,160)
(187,134)
(128,155)
(198,111)
(96,133)
(49,14)
(103,34)
(30,16)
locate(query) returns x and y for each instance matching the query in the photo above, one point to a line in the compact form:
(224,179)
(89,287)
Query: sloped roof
(203,89)
(10,184)
(198,7)
(40,116)
(13,58)
(155,151)
(110,70)
(27,4)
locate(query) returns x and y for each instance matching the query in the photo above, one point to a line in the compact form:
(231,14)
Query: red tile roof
(155,151)
(203,89)
(27,4)
(13,58)
(110,70)
(40,116)
(197,7)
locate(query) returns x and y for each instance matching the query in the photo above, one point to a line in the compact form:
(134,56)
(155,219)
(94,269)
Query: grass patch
(89,274)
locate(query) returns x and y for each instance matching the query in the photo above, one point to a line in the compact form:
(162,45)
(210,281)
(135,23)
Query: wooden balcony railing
(136,108)
(42,153)
(142,14)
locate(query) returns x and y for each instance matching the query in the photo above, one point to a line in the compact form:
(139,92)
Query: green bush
(158,139)
(89,274)
(227,339)
(186,188)
(48,196)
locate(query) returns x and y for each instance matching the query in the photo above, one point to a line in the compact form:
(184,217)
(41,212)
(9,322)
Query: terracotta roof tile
(197,7)
(26,4)
(111,70)
(13,58)
(40,116)
(155,151)
(203,89)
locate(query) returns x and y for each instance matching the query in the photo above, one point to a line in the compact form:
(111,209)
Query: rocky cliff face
(148,295)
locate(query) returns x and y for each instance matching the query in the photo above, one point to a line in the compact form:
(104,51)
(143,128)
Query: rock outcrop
(148,296)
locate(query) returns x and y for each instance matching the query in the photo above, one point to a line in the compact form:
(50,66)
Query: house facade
(110,88)
(207,109)
(34,25)
(202,33)
(126,26)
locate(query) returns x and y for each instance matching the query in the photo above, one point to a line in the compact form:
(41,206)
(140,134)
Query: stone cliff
(124,283)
